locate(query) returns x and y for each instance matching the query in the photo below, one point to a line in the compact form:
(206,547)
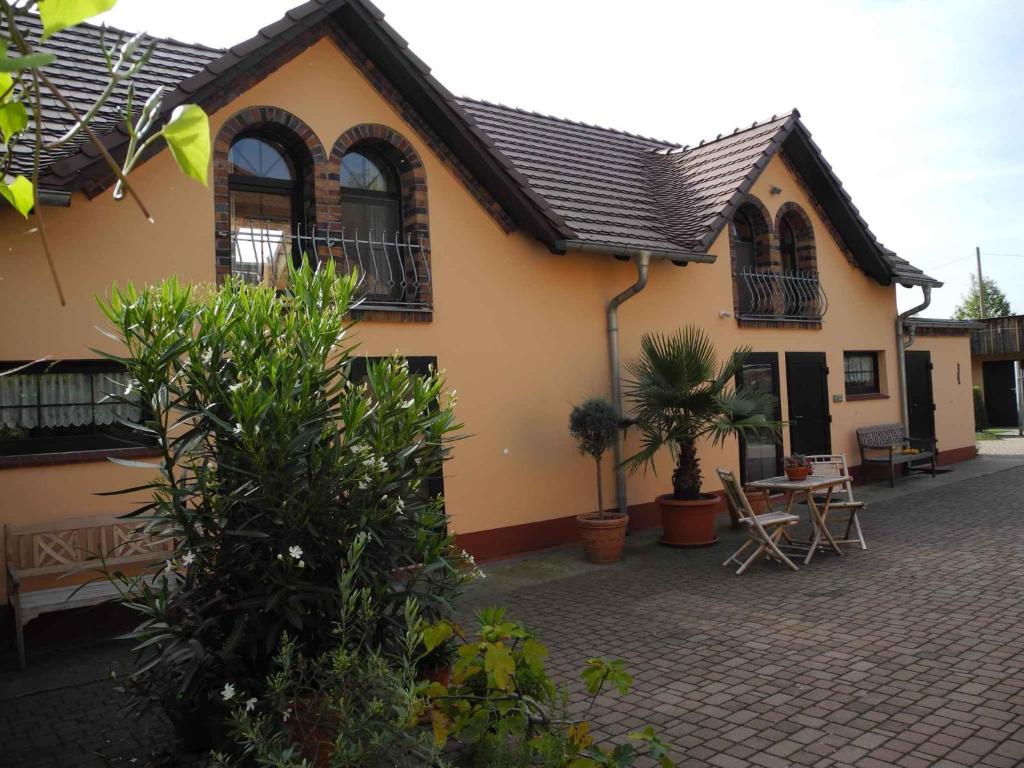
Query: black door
(920,403)
(810,425)
(761,455)
(1000,393)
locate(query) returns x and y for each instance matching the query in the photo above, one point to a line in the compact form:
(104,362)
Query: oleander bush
(273,460)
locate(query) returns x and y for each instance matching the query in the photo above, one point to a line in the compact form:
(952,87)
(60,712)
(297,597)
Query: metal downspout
(643,261)
(901,350)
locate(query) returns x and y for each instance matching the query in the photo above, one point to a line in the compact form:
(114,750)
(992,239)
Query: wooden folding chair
(763,531)
(842,496)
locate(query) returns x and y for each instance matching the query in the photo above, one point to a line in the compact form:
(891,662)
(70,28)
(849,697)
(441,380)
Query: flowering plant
(273,462)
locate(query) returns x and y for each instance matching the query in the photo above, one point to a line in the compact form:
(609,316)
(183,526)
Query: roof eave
(364,22)
(676,256)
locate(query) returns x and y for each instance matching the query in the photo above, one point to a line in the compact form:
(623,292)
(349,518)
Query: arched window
(744,239)
(749,241)
(371,213)
(265,193)
(787,246)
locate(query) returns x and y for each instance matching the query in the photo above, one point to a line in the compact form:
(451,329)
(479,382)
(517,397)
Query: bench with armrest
(889,445)
(39,554)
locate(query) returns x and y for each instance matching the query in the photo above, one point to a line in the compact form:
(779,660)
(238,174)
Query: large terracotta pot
(689,523)
(603,535)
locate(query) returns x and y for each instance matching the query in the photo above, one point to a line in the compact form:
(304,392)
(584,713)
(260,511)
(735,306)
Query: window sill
(393,315)
(867,396)
(75,457)
(747,322)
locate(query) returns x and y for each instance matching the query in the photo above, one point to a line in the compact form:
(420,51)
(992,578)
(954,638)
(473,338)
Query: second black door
(810,425)
(1000,394)
(920,403)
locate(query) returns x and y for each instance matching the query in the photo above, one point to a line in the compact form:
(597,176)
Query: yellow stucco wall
(520,331)
(952,379)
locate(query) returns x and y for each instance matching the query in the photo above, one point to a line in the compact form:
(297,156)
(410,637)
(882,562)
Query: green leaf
(13,119)
(31,61)
(534,654)
(19,194)
(441,725)
(188,136)
(499,663)
(437,634)
(61,14)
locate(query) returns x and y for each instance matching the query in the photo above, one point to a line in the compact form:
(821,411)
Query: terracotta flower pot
(689,523)
(441,675)
(603,535)
(797,473)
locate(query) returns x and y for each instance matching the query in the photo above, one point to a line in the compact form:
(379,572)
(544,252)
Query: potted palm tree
(681,395)
(595,425)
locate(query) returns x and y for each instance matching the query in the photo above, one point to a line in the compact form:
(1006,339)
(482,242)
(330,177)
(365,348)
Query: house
(997,354)
(493,241)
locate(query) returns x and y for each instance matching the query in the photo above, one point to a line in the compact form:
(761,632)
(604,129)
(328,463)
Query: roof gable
(568,183)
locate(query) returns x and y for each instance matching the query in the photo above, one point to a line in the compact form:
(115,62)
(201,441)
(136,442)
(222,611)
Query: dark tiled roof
(568,182)
(82,76)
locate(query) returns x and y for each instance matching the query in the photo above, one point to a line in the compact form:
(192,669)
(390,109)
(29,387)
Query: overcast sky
(917,105)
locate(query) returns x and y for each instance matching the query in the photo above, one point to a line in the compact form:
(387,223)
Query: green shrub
(351,707)
(502,705)
(595,425)
(273,461)
(980,413)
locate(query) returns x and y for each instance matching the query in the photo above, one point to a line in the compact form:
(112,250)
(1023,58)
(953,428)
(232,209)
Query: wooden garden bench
(37,555)
(889,445)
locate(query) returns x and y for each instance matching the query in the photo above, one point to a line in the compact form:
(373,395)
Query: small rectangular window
(861,373)
(64,407)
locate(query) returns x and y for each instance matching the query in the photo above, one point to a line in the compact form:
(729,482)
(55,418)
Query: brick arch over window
(301,142)
(761,221)
(412,176)
(797,218)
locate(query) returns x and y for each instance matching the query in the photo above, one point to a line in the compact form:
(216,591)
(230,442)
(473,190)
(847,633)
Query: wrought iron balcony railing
(767,294)
(394,271)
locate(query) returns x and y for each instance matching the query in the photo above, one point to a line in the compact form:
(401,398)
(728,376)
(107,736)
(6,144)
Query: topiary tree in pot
(595,424)
(680,396)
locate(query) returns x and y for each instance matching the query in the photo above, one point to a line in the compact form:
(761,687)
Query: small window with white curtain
(68,406)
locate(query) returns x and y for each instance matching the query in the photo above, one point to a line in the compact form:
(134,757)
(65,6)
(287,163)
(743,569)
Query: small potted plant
(681,396)
(595,425)
(798,467)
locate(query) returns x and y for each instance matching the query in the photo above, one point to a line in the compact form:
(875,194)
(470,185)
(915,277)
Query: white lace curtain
(29,401)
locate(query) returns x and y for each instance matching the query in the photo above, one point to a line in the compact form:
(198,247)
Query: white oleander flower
(234,387)
(250,704)
(238,429)
(399,505)
(287,714)
(295,551)
(228,693)
(301,563)
(207,357)
(188,558)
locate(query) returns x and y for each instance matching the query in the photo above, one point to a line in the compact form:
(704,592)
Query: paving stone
(906,655)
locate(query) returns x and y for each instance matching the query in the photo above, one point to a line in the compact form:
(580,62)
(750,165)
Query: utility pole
(981,284)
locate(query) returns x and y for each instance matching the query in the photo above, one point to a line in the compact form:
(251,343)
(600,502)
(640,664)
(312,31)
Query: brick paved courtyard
(910,654)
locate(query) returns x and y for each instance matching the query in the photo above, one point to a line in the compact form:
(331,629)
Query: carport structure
(997,354)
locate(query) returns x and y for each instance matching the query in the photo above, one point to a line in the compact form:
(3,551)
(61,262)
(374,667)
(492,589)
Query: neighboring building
(997,357)
(506,235)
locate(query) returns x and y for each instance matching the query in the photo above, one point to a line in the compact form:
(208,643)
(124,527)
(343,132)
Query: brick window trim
(321,179)
(277,123)
(769,255)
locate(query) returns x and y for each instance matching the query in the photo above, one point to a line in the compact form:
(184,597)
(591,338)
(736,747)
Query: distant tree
(996,303)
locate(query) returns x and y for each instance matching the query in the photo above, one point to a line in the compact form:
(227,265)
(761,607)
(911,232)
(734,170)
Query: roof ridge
(568,121)
(130,33)
(794,112)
